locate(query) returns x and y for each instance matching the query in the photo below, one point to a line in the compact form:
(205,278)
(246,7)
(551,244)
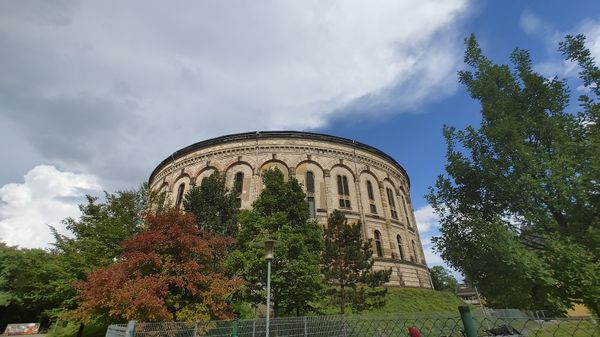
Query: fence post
(305,327)
(195,329)
(234,327)
(130,332)
(467,319)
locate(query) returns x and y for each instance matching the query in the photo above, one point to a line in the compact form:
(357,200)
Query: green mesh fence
(439,325)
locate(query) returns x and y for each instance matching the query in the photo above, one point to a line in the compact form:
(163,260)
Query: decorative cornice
(274,135)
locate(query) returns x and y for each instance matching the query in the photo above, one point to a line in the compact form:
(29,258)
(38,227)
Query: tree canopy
(214,206)
(32,284)
(519,201)
(442,279)
(280,213)
(95,236)
(171,271)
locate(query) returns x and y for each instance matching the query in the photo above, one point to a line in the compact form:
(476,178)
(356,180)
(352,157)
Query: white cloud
(113,87)
(45,198)
(433,258)
(426,218)
(591,29)
(555,65)
(531,23)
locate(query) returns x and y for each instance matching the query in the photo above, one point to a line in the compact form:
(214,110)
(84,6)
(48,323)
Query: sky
(94,94)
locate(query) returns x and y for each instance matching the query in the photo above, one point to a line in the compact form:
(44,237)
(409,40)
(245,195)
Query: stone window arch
(378,245)
(414,248)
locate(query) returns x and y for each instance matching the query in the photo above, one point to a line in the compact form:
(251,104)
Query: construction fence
(490,323)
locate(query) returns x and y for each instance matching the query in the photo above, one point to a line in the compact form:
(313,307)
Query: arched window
(343,192)
(414,250)
(378,245)
(390,195)
(405,210)
(310,182)
(399,239)
(179,196)
(371,195)
(238,185)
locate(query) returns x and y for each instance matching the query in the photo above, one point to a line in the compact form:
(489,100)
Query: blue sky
(94,94)
(415,139)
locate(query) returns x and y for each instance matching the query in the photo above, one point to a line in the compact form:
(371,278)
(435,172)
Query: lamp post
(269,246)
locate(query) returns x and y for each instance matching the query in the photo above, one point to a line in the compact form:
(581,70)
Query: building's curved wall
(386,210)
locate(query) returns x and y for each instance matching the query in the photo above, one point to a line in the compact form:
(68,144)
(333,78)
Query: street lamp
(269,246)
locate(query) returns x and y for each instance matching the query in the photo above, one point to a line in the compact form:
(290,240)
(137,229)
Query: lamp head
(269,246)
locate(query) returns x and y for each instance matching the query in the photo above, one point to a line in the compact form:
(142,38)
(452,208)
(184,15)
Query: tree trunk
(80,330)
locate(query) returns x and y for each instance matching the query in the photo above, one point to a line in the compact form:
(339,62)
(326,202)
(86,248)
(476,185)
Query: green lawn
(408,301)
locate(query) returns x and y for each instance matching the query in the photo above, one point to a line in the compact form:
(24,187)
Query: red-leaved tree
(171,271)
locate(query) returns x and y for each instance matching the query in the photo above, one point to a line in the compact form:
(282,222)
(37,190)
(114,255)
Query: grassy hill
(408,301)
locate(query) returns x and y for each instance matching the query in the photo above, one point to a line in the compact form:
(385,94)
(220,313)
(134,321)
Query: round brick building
(337,173)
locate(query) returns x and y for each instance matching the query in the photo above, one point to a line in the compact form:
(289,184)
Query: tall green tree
(31,285)
(95,236)
(442,279)
(280,213)
(214,206)
(519,201)
(347,265)
(94,239)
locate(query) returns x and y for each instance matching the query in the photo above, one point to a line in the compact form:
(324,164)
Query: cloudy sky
(94,94)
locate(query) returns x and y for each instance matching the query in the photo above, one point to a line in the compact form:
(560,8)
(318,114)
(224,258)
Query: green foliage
(518,205)
(347,263)
(31,284)
(70,328)
(213,205)
(280,213)
(96,234)
(442,279)
(170,271)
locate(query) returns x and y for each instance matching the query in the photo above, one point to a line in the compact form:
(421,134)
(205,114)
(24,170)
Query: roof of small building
(275,134)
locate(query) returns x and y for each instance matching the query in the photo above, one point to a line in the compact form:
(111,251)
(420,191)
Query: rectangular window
(390,195)
(346,189)
(345,203)
(311,207)
(370,191)
(373,209)
(343,191)
(310,182)
(405,210)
